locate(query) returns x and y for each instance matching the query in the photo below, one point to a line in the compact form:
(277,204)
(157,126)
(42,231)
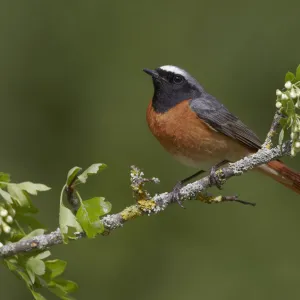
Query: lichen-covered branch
(147,205)
(274,127)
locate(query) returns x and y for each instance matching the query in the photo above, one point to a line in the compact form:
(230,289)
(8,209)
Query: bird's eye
(177,79)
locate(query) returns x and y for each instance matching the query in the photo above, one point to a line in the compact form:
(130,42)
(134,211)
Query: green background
(72,93)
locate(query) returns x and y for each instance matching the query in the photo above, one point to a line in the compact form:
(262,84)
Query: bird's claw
(214,178)
(175,194)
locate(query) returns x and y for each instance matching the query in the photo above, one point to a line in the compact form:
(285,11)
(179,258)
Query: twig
(157,204)
(274,127)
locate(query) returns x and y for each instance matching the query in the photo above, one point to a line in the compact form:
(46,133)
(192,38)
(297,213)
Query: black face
(171,89)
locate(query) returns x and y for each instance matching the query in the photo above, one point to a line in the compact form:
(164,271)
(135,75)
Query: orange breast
(181,132)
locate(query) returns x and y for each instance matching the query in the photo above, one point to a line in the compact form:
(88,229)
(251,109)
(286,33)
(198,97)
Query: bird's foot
(175,194)
(216,176)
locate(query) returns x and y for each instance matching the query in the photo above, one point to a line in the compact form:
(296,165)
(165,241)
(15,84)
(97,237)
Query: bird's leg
(214,177)
(175,194)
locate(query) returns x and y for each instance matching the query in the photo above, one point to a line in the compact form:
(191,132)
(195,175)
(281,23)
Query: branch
(148,206)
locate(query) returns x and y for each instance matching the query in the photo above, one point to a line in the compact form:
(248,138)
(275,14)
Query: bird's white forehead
(174,70)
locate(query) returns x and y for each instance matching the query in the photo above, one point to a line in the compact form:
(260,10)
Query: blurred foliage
(72,92)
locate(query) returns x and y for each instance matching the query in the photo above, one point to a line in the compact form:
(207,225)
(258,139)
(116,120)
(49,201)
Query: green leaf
(24,276)
(56,266)
(289,77)
(66,220)
(298,73)
(68,285)
(37,296)
(88,215)
(61,287)
(6,196)
(31,276)
(33,188)
(33,233)
(11,263)
(72,174)
(281,136)
(4,178)
(43,255)
(289,108)
(16,192)
(93,169)
(37,266)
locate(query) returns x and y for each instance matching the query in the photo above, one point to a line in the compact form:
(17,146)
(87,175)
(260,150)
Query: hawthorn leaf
(67,220)
(89,213)
(43,255)
(56,267)
(33,188)
(37,266)
(37,296)
(17,193)
(93,169)
(6,196)
(289,77)
(61,287)
(72,174)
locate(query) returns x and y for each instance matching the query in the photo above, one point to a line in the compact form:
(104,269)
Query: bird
(199,131)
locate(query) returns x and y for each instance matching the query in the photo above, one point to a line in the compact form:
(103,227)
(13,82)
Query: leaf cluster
(18,222)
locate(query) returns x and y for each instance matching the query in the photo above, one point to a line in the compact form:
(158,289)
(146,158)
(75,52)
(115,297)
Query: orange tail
(281,173)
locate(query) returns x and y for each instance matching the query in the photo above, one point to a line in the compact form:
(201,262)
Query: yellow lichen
(209,199)
(146,205)
(131,212)
(268,146)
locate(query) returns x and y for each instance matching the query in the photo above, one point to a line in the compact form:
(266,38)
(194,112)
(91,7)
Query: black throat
(167,95)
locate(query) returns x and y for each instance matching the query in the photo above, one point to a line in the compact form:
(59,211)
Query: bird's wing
(216,115)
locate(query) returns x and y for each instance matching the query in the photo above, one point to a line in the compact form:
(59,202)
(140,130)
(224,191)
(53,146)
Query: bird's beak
(152,73)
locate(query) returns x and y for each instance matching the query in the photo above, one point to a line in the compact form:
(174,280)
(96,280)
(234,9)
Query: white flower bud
(293,95)
(284,97)
(278,92)
(288,85)
(297,145)
(9,219)
(6,228)
(278,104)
(293,135)
(1,245)
(3,212)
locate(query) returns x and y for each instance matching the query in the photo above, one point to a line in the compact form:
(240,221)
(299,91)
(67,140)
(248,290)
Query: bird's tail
(281,173)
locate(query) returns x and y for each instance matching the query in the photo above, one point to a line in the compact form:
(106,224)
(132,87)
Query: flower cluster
(288,103)
(6,220)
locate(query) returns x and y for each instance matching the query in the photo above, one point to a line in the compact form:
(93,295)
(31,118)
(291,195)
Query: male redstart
(198,130)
